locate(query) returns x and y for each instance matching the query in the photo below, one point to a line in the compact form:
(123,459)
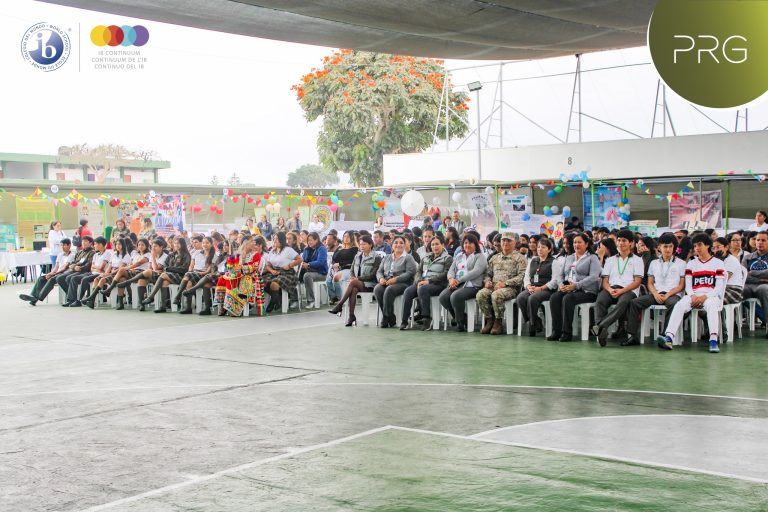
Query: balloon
(250,199)
(235,199)
(276,207)
(380,203)
(435,200)
(268,208)
(340,203)
(547,211)
(558,189)
(585,184)
(551,194)
(412,203)
(472,180)
(220,210)
(54,188)
(526,216)
(456,197)
(334,198)
(74,203)
(566,211)
(489,190)
(333,207)
(244,194)
(152,194)
(213,208)
(555,209)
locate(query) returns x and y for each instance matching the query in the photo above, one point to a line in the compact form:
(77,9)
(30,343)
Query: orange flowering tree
(374,103)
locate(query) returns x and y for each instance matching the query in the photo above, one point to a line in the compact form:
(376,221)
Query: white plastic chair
(581,313)
(730,313)
(547,319)
(751,312)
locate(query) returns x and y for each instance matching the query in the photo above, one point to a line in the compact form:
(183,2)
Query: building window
(61,176)
(127,178)
(91,177)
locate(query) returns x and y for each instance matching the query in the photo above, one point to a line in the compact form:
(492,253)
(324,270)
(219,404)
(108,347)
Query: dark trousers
(455,301)
(529,304)
(605,301)
(50,283)
(40,285)
(563,305)
(86,284)
(72,283)
(640,304)
(386,295)
(423,293)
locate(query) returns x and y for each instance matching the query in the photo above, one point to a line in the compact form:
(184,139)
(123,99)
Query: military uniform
(510,270)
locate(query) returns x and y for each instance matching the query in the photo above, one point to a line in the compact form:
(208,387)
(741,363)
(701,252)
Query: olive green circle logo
(713,53)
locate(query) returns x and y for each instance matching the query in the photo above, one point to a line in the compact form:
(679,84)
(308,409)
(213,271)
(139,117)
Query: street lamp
(475,87)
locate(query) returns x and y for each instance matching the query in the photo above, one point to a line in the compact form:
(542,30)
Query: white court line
(586,454)
(242,467)
(110,390)
(512,386)
(583,418)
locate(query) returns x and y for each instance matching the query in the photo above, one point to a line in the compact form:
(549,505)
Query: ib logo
(713,53)
(119,36)
(45,46)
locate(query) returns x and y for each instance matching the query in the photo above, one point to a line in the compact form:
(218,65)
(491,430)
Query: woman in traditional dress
(241,284)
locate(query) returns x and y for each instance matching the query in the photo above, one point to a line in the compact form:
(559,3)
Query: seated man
(48,280)
(99,263)
(704,289)
(756,264)
(80,268)
(504,279)
(622,275)
(666,284)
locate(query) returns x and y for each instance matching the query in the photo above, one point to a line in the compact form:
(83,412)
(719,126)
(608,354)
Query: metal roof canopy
(455,29)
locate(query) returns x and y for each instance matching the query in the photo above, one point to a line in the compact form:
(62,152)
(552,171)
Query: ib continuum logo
(45,46)
(119,36)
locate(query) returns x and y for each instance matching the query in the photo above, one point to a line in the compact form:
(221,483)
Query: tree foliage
(101,159)
(374,103)
(312,176)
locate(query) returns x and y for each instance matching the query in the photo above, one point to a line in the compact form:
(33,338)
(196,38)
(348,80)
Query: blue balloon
(526,216)
(547,211)
(566,211)
(551,193)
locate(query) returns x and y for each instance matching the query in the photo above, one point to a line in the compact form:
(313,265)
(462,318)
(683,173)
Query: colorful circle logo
(45,46)
(119,36)
(713,53)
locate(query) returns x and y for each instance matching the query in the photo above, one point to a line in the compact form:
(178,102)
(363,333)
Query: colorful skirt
(233,292)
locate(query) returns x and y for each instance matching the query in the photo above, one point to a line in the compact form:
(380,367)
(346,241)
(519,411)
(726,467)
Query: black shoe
(404,327)
(426,323)
(566,337)
(76,304)
(555,336)
(631,342)
(461,328)
(351,321)
(205,312)
(602,336)
(66,304)
(186,311)
(120,304)
(335,311)
(28,298)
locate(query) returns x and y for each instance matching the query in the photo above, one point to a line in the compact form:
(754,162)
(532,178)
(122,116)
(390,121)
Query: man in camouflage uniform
(506,271)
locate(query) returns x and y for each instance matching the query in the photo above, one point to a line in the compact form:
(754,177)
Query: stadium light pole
(476,86)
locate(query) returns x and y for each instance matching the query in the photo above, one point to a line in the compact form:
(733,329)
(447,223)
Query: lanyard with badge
(572,273)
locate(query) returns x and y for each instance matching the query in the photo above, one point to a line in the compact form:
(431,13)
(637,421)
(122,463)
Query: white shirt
(755,227)
(281,259)
(62,260)
(160,260)
(199,261)
(737,272)
(136,257)
(622,272)
(54,241)
(667,274)
(705,277)
(99,259)
(315,227)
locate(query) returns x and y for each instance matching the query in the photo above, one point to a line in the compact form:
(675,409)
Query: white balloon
(489,190)
(152,194)
(435,200)
(456,196)
(555,209)
(268,208)
(276,207)
(472,180)
(54,188)
(412,203)
(585,184)
(225,192)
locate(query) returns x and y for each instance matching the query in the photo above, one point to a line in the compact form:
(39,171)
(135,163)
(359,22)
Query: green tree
(312,176)
(374,103)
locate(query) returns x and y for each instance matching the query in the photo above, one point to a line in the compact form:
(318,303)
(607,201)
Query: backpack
(77,241)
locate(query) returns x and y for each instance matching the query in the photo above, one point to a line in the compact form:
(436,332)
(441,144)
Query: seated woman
(121,229)
(431,279)
(538,285)
(578,283)
(341,265)
(410,247)
(202,265)
(121,257)
(395,274)
(362,277)
(241,284)
(280,271)
(465,278)
(139,263)
(210,280)
(175,266)
(157,259)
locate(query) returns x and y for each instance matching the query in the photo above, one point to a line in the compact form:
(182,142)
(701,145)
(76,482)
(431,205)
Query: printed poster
(606,207)
(695,209)
(169,218)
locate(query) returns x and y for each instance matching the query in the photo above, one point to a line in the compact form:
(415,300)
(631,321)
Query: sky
(217,104)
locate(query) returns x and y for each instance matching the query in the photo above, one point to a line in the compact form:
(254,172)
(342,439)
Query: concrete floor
(124,410)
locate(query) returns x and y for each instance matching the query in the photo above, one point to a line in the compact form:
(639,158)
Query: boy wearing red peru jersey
(704,289)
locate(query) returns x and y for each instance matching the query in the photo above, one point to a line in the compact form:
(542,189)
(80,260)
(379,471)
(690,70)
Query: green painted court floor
(99,407)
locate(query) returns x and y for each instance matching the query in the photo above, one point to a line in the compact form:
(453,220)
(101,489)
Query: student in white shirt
(704,289)
(736,274)
(316,226)
(666,283)
(622,275)
(760,223)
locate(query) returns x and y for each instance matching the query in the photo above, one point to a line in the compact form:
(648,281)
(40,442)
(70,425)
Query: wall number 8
(570,160)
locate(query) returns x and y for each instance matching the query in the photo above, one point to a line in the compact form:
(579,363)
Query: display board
(696,210)
(31,213)
(607,201)
(7,237)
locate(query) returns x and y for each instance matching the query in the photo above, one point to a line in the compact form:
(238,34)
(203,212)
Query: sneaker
(664,342)
(714,347)
(602,336)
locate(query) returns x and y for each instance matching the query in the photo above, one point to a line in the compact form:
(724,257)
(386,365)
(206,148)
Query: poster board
(392,214)
(481,211)
(605,208)
(7,237)
(511,210)
(169,217)
(696,210)
(31,213)
(644,227)
(94,213)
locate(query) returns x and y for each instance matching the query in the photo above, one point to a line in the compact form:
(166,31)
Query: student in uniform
(666,283)
(99,265)
(622,276)
(63,260)
(120,257)
(139,263)
(201,265)
(704,289)
(175,266)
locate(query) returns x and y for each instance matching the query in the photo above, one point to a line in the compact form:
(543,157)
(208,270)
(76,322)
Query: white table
(29,259)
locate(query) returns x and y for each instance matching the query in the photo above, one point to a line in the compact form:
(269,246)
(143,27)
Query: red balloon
(230,192)
(213,208)
(74,203)
(244,194)
(266,196)
(250,199)
(235,199)
(140,204)
(380,203)
(220,210)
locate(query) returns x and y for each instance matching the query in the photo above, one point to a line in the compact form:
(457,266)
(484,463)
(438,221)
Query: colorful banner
(693,209)
(7,237)
(393,214)
(512,209)
(169,218)
(482,214)
(607,201)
